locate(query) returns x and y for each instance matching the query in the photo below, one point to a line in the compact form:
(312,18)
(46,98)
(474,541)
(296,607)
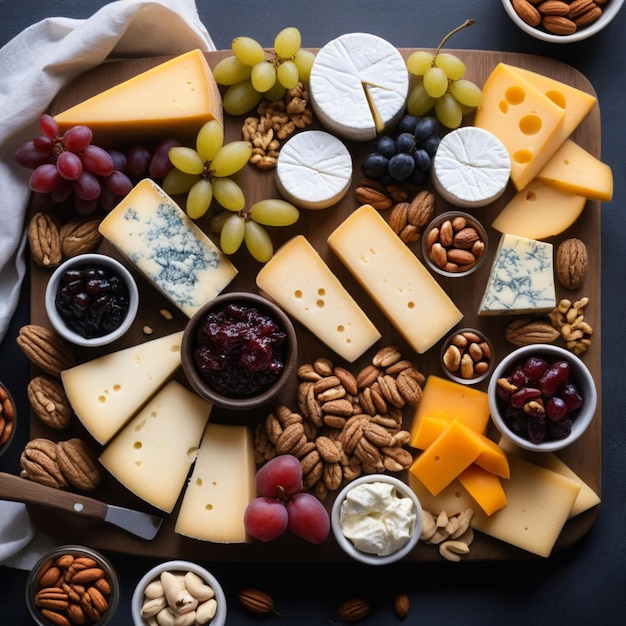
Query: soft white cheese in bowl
(377,519)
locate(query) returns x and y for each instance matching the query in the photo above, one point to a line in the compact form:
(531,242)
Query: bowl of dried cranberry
(91,300)
(239,351)
(542,397)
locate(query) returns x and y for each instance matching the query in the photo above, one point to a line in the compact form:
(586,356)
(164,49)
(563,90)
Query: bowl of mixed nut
(175,589)
(542,397)
(562,21)
(72,585)
(467,356)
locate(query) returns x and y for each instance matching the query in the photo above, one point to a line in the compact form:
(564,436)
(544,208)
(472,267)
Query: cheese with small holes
(471,167)
(395,278)
(173,99)
(574,170)
(528,123)
(221,486)
(313,170)
(358,86)
(446,400)
(156,235)
(484,487)
(152,454)
(521,278)
(539,211)
(105,392)
(303,285)
(587,498)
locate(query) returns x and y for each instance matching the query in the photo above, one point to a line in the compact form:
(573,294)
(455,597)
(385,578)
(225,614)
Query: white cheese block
(395,278)
(304,286)
(521,278)
(221,486)
(107,391)
(358,86)
(471,167)
(314,170)
(156,235)
(152,454)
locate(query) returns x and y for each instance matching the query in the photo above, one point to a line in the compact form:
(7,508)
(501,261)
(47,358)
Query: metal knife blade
(19,489)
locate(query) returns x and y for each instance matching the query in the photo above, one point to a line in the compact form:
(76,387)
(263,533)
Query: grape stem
(453,32)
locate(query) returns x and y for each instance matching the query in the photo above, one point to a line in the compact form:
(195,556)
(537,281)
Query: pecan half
(80,235)
(79,464)
(49,401)
(46,349)
(44,239)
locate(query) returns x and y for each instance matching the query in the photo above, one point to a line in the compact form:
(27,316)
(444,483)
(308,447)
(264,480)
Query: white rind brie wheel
(471,167)
(358,86)
(314,170)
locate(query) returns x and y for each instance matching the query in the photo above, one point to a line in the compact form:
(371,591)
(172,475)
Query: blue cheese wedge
(314,170)
(156,235)
(358,86)
(521,278)
(471,167)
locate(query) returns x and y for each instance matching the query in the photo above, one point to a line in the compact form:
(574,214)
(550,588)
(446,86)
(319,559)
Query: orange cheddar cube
(447,457)
(428,429)
(484,487)
(493,458)
(446,400)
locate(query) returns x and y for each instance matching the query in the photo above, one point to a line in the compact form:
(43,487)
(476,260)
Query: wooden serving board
(584,456)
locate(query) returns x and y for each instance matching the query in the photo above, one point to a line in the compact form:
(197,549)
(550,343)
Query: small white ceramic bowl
(609,10)
(579,375)
(79,261)
(402,490)
(178,567)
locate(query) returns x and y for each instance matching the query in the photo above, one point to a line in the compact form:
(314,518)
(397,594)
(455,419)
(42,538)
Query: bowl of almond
(562,21)
(7,418)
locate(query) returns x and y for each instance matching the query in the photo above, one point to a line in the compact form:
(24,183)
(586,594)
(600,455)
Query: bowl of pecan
(72,585)
(91,300)
(454,244)
(239,351)
(562,21)
(542,397)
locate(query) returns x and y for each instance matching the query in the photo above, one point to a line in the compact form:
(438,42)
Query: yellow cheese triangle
(172,99)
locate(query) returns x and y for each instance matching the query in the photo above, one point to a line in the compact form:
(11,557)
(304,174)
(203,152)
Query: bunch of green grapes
(248,227)
(442,86)
(206,172)
(252,74)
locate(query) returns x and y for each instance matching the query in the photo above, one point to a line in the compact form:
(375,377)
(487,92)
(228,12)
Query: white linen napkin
(34,67)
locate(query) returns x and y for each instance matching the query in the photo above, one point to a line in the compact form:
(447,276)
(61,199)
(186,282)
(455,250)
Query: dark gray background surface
(584,584)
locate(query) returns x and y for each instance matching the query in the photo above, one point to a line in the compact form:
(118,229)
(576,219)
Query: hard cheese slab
(584,457)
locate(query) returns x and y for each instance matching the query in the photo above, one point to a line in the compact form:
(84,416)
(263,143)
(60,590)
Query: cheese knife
(19,489)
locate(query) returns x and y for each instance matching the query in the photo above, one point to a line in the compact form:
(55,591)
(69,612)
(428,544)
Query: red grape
(85,207)
(119,160)
(138,161)
(308,518)
(280,476)
(265,518)
(87,186)
(49,126)
(77,138)
(62,191)
(97,160)
(44,178)
(160,163)
(118,183)
(554,376)
(32,155)
(69,165)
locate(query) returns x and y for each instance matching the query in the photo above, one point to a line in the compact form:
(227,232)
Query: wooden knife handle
(19,489)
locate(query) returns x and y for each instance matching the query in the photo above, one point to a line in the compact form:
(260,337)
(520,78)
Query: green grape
(288,74)
(274,212)
(216,223)
(451,65)
(186,160)
(228,194)
(277,92)
(199,199)
(449,111)
(232,233)
(419,62)
(241,98)
(231,70)
(304,62)
(209,140)
(231,158)
(248,50)
(287,42)
(467,93)
(177,182)
(263,76)
(419,102)
(435,82)
(258,242)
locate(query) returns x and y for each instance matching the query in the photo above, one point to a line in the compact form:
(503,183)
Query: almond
(354,610)
(558,25)
(257,601)
(527,12)
(554,7)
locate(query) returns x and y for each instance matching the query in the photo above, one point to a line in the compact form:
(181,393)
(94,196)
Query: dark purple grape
(374,165)
(425,128)
(407,124)
(537,429)
(405,142)
(417,176)
(571,396)
(422,160)
(560,429)
(138,161)
(386,146)
(430,145)
(400,166)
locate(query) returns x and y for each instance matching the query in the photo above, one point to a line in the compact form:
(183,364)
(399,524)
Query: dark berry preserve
(238,350)
(92,300)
